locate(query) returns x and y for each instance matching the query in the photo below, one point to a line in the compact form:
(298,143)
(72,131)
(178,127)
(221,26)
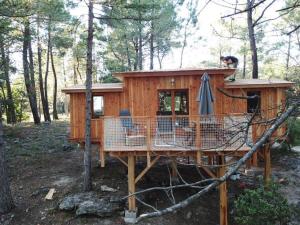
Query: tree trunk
(244,63)
(136,48)
(47,71)
(151,46)
(31,92)
(6,200)
(159,59)
(75,80)
(128,55)
(41,82)
(288,57)
(55,116)
(11,112)
(89,71)
(252,39)
(140,45)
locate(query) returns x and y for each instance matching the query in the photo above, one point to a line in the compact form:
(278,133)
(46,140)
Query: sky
(197,50)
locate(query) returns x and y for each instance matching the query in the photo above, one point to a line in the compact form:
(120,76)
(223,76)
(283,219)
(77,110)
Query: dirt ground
(40,158)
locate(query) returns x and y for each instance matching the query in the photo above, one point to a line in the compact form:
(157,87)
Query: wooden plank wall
(140,96)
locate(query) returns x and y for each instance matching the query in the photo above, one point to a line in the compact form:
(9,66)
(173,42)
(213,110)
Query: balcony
(176,133)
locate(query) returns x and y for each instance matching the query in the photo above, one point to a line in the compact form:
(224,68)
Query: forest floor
(40,158)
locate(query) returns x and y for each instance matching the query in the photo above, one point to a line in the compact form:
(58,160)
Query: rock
(98,207)
(72,202)
(108,189)
(296,149)
(189,215)
(283,181)
(63,181)
(41,190)
(67,147)
(275,145)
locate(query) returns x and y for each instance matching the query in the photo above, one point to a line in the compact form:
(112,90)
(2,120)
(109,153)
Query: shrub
(262,206)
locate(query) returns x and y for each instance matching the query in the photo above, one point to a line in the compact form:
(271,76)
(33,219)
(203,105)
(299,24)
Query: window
(173,102)
(98,107)
(253,104)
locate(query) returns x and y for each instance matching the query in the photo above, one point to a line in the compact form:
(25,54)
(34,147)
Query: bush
(294,131)
(262,206)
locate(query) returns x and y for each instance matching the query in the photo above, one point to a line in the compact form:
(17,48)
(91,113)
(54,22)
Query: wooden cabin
(155,113)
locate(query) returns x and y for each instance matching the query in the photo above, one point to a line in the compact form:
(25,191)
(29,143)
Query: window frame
(254,92)
(173,95)
(103,100)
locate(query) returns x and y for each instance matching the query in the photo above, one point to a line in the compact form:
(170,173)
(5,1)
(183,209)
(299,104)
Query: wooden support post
(267,172)
(174,168)
(131,182)
(102,155)
(223,193)
(254,159)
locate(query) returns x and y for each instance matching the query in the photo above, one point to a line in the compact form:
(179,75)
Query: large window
(98,107)
(173,102)
(253,104)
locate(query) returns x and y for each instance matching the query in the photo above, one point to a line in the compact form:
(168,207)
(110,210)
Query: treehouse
(151,114)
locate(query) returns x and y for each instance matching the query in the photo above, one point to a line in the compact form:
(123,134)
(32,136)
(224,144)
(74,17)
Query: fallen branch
(262,140)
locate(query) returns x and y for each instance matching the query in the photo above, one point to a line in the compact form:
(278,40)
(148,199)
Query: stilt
(174,169)
(131,183)
(267,172)
(102,155)
(254,159)
(223,193)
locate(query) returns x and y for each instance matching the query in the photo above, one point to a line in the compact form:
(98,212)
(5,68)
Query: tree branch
(262,140)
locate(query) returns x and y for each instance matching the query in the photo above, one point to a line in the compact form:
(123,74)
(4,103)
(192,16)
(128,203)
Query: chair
(165,131)
(130,129)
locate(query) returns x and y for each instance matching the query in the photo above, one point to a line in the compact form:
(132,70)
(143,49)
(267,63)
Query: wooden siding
(140,96)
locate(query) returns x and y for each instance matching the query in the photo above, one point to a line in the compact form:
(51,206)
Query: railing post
(198,142)
(148,140)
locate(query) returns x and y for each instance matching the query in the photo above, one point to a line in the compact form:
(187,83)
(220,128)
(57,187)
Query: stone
(107,189)
(72,202)
(296,149)
(130,217)
(189,215)
(98,207)
(67,147)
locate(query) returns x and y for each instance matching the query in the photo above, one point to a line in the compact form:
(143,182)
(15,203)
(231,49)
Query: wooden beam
(102,155)
(174,168)
(223,192)
(121,160)
(209,172)
(146,169)
(267,171)
(131,183)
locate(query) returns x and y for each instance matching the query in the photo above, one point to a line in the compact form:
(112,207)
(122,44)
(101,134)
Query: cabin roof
(108,87)
(177,72)
(257,83)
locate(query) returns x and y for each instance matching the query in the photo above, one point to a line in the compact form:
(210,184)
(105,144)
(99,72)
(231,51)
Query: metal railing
(176,133)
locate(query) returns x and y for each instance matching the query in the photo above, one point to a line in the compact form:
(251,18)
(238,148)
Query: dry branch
(262,140)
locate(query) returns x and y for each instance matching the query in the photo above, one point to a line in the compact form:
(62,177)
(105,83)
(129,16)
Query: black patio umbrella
(205,96)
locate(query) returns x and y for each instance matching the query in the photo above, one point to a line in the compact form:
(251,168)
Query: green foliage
(294,131)
(110,79)
(21,103)
(262,206)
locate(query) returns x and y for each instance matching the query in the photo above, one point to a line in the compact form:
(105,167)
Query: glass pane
(165,101)
(181,102)
(98,106)
(254,103)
